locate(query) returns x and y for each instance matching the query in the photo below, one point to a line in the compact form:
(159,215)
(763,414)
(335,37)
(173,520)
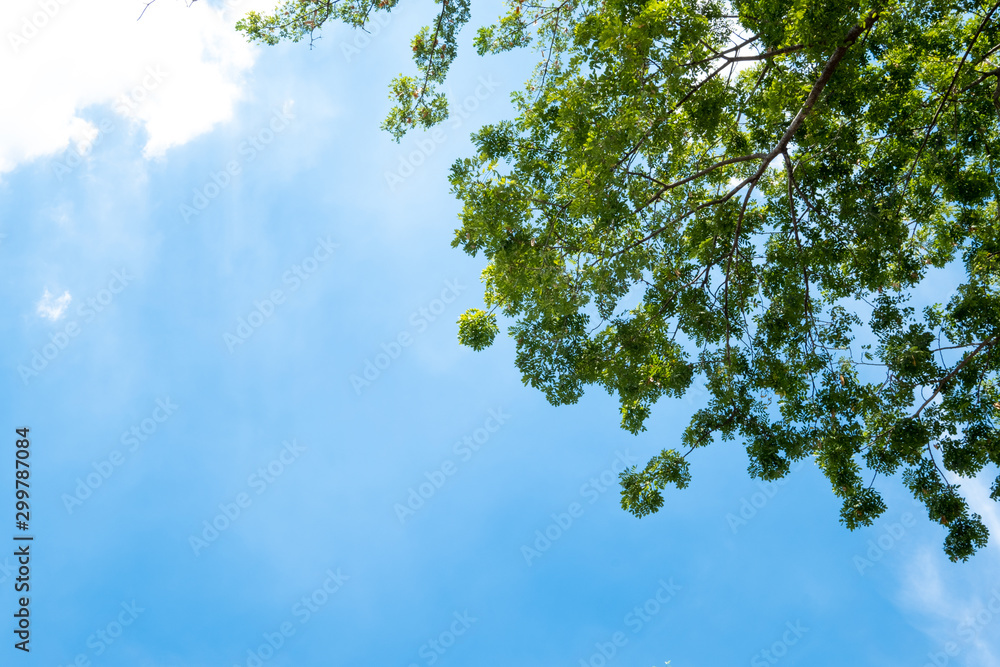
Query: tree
(763,177)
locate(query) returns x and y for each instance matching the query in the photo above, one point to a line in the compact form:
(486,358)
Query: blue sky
(199,501)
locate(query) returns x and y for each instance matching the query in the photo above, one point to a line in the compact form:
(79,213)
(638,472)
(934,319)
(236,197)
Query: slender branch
(949,376)
(721,53)
(657,121)
(807,106)
(717,165)
(767,55)
(746,102)
(798,243)
(434,50)
(729,261)
(985,75)
(944,98)
(144,8)
(817,89)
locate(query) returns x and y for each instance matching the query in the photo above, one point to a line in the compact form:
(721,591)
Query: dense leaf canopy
(748,193)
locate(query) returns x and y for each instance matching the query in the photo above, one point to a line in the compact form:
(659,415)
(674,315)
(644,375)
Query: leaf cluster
(747,194)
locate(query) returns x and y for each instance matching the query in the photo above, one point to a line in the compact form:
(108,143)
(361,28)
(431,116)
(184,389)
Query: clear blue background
(738,586)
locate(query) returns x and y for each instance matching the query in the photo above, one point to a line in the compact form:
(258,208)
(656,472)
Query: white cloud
(978,493)
(957,605)
(177,72)
(53,308)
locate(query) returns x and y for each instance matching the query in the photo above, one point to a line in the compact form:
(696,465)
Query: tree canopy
(771,182)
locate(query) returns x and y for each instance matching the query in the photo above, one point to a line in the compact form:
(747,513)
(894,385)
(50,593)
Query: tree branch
(944,380)
(944,98)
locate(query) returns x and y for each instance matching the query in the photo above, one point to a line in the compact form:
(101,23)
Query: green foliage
(641,491)
(417,100)
(744,193)
(477,329)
